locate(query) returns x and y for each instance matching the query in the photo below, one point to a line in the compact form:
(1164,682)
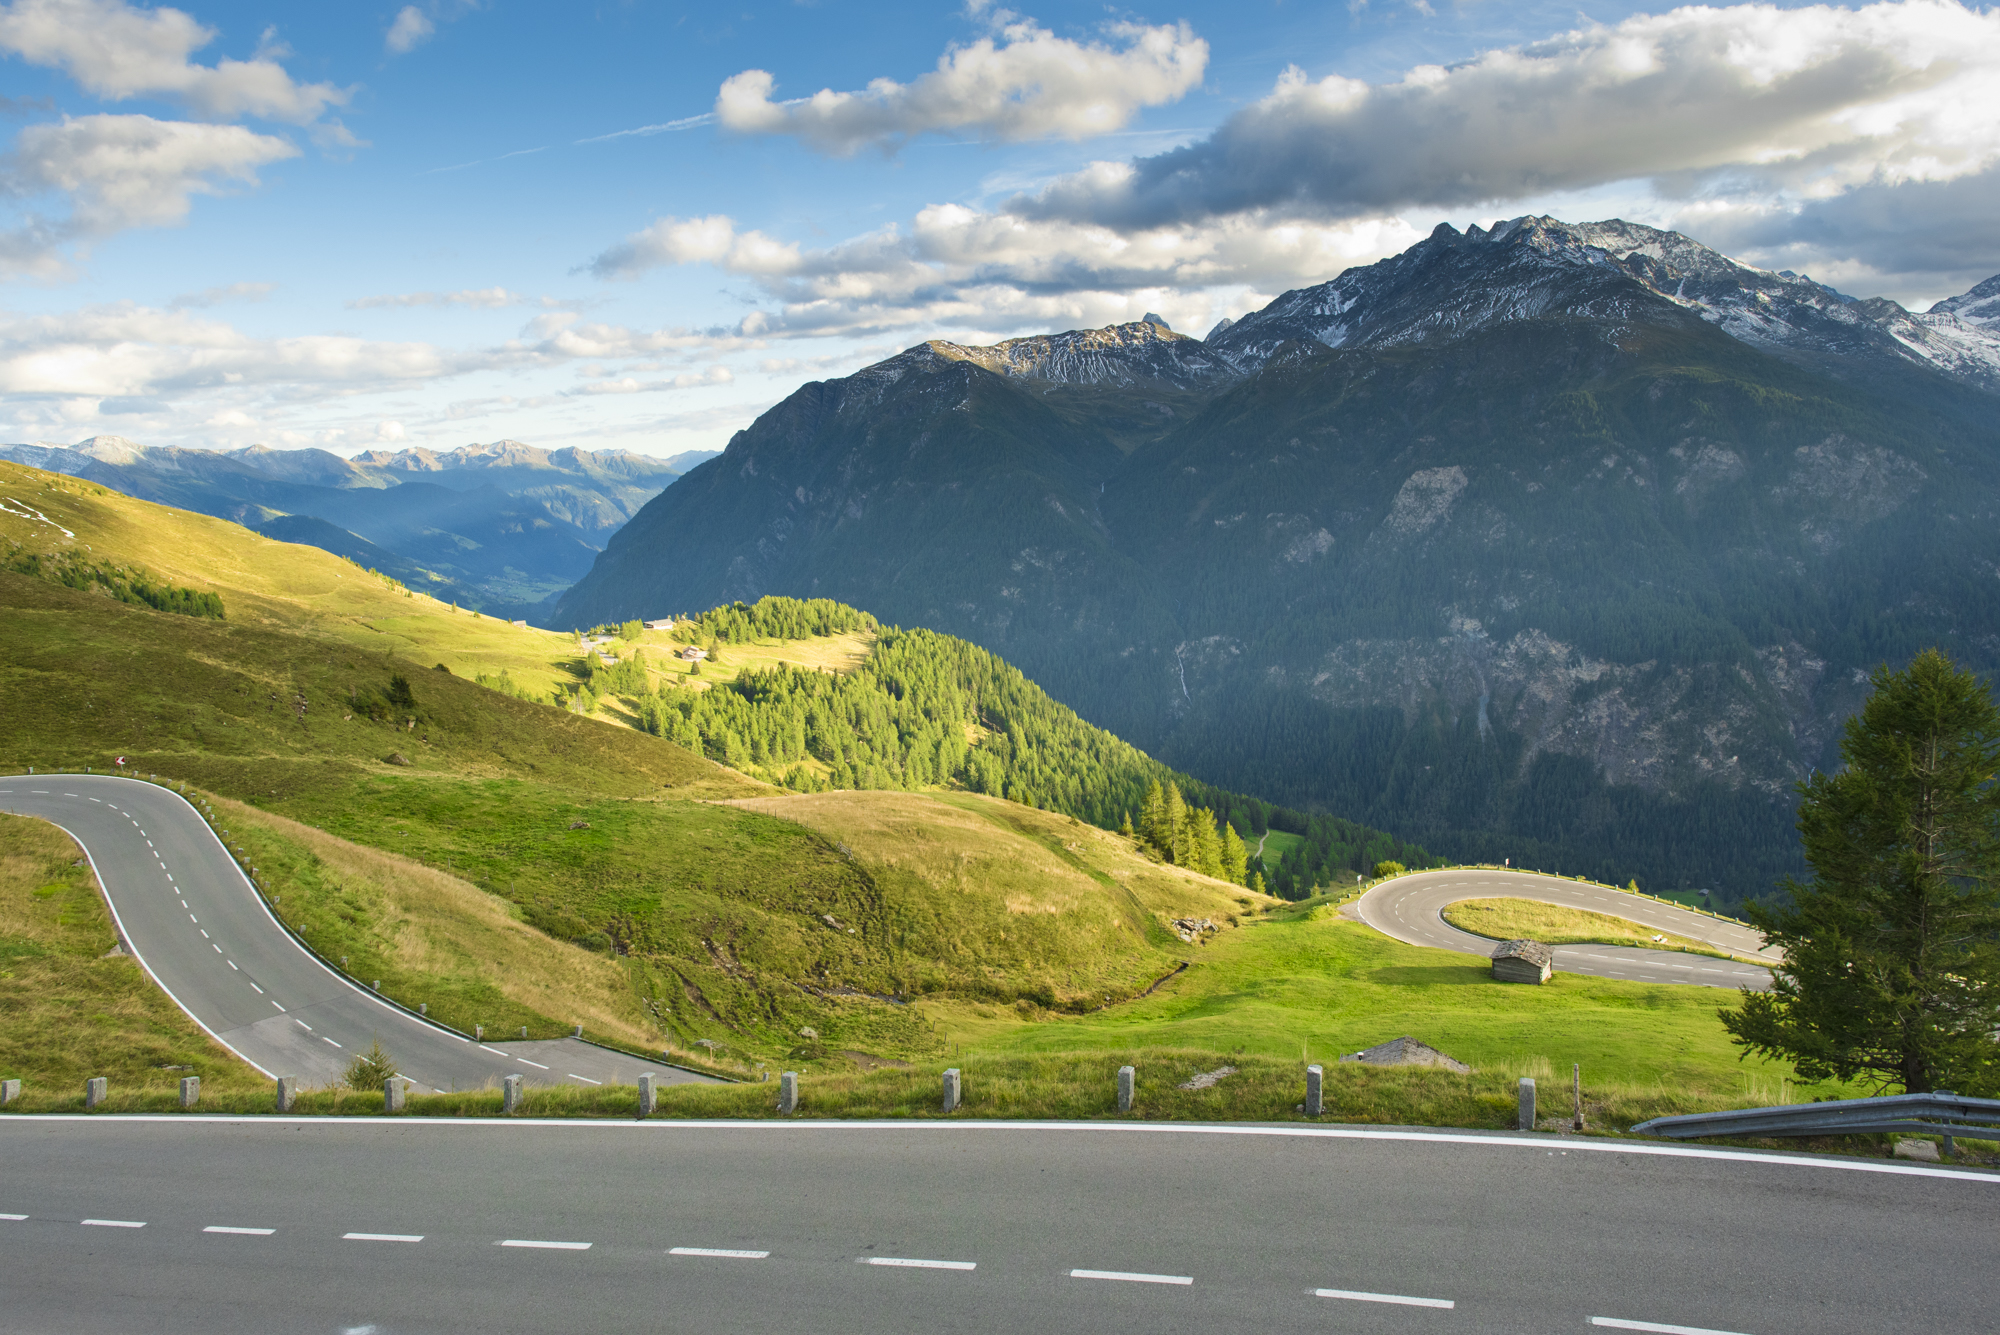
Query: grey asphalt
(1409,908)
(1518,1234)
(190,915)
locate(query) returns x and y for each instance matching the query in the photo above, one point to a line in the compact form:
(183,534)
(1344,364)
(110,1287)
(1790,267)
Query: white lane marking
(727,1252)
(98,800)
(204,933)
(525,1062)
(1131,1277)
(191,917)
(495,1051)
(586,1079)
(114,1223)
(1615,1324)
(218,949)
(247,1232)
(913,1263)
(544,1246)
(1400,1300)
(258,990)
(324,1039)
(16,1217)
(280,1008)
(382,1237)
(232,964)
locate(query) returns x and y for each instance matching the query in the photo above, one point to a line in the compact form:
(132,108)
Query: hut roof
(1521,948)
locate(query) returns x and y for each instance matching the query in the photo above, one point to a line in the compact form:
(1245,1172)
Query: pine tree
(1892,950)
(1235,857)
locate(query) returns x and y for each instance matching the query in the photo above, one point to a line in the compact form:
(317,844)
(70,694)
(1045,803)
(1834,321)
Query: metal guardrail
(1940,1114)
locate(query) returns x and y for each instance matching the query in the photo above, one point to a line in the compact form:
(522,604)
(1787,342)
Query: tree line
(133,587)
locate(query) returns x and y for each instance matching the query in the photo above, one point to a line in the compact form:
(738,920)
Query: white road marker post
(392,1094)
(648,1098)
(951,1088)
(1526,1120)
(190,1091)
(1127,1079)
(9,1091)
(1315,1102)
(510,1094)
(288,1092)
(95,1091)
(788,1092)
(1576,1092)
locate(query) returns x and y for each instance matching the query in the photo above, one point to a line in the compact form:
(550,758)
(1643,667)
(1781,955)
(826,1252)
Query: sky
(636,226)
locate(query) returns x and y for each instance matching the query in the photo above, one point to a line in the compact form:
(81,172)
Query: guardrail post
(392,1094)
(1525,1120)
(95,1091)
(1127,1078)
(788,1092)
(578,1033)
(648,1099)
(951,1089)
(1315,1103)
(510,1094)
(190,1090)
(288,1092)
(1576,1092)
(9,1091)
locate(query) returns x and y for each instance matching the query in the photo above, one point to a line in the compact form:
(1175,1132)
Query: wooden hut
(1523,961)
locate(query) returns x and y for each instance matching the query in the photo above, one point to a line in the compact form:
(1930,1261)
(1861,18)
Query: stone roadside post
(788,1092)
(288,1092)
(648,1097)
(392,1094)
(951,1096)
(1315,1079)
(95,1091)
(510,1094)
(9,1091)
(190,1090)
(1127,1078)
(1526,1119)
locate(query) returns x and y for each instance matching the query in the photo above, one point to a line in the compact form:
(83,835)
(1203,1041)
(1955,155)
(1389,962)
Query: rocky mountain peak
(1141,352)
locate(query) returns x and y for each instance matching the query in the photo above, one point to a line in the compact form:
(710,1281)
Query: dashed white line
(247,1232)
(324,1039)
(495,1051)
(914,1263)
(1131,1277)
(525,1062)
(204,933)
(1401,1300)
(1615,1324)
(114,1223)
(544,1246)
(382,1237)
(586,1079)
(280,1008)
(254,988)
(232,964)
(218,949)
(725,1252)
(15,1217)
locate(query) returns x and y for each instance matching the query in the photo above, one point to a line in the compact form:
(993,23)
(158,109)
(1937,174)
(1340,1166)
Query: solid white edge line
(1437,1137)
(381,1237)
(248,1232)
(544,1246)
(728,1252)
(1615,1324)
(113,1223)
(1131,1276)
(1401,1300)
(914,1263)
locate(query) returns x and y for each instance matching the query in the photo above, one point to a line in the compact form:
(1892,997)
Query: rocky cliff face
(1571,542)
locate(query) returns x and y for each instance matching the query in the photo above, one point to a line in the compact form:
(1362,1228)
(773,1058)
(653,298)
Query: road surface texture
(1410,909)
(187,912)
(408,1227)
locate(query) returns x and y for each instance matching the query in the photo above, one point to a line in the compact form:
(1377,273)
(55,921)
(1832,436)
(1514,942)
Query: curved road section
(187,912)
(1411,908)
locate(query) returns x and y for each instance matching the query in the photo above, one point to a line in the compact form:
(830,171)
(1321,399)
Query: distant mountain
(503,527)
(1571,544)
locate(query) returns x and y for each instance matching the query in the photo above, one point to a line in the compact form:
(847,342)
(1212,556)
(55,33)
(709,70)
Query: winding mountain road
(1410,908)
(189,914)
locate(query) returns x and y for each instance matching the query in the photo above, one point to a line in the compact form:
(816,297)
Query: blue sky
(231,224)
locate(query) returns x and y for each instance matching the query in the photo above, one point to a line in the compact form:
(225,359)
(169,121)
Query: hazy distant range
(504,527)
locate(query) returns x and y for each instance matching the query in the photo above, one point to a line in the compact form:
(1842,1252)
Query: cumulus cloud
(117,51)
(1813,100)
(714,375)
(1022,83)
(118,172)
(410,30)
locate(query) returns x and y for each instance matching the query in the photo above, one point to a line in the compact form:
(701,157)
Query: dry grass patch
(1507,919)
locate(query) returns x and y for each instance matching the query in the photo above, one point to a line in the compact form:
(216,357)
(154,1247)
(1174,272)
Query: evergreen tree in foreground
(1892,950)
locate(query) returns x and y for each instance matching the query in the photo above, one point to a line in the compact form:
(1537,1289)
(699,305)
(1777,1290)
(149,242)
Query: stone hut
(1523,961)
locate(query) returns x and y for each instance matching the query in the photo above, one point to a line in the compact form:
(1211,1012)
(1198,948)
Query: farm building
(692,654)
(665,624)
(1523,961)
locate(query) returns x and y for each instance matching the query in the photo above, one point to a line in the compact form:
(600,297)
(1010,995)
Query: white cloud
(1809,101)
(410,30)
(118,172)
(714,375)
(390,431)
(117,51)
(217,296)
(1029,84)
(485,298)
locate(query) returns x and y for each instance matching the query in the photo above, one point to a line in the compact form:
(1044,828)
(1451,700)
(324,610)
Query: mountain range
(502,527)
(1572,544)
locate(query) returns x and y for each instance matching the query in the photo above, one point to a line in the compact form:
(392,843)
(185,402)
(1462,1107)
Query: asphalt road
(1409,908)
(186,910)
(418,1226)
